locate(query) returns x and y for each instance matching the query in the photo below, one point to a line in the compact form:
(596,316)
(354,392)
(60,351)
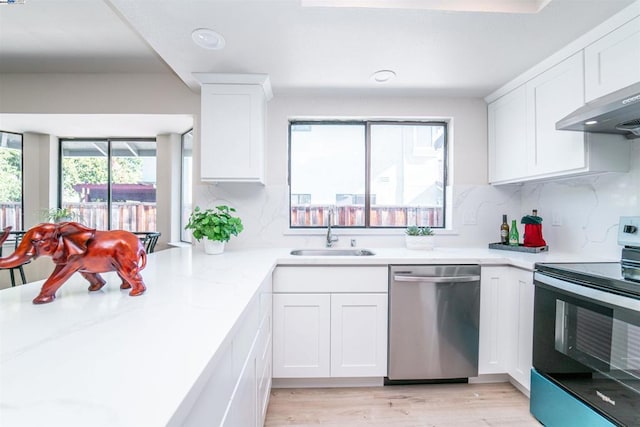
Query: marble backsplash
(477,214)
(580,214)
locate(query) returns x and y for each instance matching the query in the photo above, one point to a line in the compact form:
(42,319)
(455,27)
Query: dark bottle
(504,231)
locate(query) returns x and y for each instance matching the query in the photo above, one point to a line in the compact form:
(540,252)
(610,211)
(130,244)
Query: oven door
(588,342)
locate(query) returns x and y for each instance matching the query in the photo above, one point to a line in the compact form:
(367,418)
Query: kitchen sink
(332,252)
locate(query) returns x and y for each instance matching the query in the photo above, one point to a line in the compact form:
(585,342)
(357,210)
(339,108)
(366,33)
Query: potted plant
(216,225)
(59,215)
(419,238)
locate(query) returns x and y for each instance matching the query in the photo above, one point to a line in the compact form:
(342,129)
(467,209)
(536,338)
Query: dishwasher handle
(436,279)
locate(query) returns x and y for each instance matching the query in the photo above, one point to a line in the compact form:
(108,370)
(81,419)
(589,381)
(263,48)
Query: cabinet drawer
(330,279)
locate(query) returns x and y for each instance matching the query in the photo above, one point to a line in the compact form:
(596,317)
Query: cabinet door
(358,335)
(522,357)
(551,96)
(301,328)
(613,62)
(232,140)
(507,136)
(495,288)
(243,405)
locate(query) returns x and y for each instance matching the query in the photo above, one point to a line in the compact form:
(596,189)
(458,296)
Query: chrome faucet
(331,239)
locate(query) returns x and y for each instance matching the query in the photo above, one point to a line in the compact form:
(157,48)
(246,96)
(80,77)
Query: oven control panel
(629,231)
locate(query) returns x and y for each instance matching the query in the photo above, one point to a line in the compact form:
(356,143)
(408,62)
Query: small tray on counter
(519,248)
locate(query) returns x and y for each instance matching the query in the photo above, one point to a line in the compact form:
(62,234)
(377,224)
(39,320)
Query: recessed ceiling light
(383,76)
(208,39)
(591,122)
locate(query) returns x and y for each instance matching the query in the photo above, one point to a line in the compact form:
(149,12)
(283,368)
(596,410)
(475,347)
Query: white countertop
(108,359)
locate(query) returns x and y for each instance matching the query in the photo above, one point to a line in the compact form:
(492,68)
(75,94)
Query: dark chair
(17,236)
(149,239)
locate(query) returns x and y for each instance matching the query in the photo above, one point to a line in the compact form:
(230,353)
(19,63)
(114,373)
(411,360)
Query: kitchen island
(108,359)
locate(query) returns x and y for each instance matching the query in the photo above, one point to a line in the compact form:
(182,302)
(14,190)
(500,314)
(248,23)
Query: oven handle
(587,292)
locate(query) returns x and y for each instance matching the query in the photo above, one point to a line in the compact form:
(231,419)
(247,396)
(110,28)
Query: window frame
(182,177)
(368,123)
(21,227)
(109,158)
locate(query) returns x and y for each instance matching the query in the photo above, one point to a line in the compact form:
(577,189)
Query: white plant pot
(424,243)
(213,247)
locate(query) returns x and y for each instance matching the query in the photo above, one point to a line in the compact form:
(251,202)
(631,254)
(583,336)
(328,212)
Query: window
(110,183)
(370,174)
(187,184)
(11,180)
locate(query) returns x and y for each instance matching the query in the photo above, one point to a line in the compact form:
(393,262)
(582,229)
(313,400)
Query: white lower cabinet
(521,359)
(494,320)
(332,329)
(506,323)
(358,335)
(238,381)
(301,335)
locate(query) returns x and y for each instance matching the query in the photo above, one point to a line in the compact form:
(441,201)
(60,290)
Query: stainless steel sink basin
(332,252)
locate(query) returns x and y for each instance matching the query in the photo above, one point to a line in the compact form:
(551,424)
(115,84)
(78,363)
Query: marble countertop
(108,359)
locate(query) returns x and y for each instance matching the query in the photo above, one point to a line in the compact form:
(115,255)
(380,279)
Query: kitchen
(581,215)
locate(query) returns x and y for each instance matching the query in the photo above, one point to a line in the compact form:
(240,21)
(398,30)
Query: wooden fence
(381,216)
(131,216)
(11,215)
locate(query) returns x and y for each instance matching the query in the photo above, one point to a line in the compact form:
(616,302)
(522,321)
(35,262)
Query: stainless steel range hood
(618,112)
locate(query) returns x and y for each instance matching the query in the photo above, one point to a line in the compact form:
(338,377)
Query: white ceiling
(303,49)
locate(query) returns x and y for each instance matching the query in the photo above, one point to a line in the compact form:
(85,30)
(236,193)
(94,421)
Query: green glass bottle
(514,237)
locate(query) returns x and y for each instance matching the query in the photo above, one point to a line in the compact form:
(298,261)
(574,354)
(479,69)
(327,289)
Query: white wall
(96,94)
(476,206)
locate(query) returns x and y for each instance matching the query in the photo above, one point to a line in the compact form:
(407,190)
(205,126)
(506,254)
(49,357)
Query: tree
(94,170)
(10,175)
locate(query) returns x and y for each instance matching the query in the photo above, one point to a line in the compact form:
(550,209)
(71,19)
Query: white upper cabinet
(507,136)
(232,115)
(523,143)
(551,96)
(613,62)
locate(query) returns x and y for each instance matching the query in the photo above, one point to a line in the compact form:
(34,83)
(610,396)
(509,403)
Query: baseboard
(326,382)
(519,386)
(489,378)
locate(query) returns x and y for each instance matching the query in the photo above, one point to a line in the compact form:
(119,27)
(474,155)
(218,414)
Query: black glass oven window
(593,334)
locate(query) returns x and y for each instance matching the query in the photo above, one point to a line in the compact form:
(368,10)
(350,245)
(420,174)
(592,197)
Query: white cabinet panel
(232,132)
(214,398)
(330,321)
(301,331)
(613,62)
(507,136)
(243,407)
(237,390)
(358,335)
(551,96)
(537,151)
(302,279)
(520,369)
(494,320)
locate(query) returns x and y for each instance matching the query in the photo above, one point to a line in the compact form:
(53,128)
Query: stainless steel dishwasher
(434,315)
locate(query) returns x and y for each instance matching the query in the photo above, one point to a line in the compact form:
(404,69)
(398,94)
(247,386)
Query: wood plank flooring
(496,404)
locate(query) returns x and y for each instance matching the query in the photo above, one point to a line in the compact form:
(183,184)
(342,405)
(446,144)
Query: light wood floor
(401,406)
